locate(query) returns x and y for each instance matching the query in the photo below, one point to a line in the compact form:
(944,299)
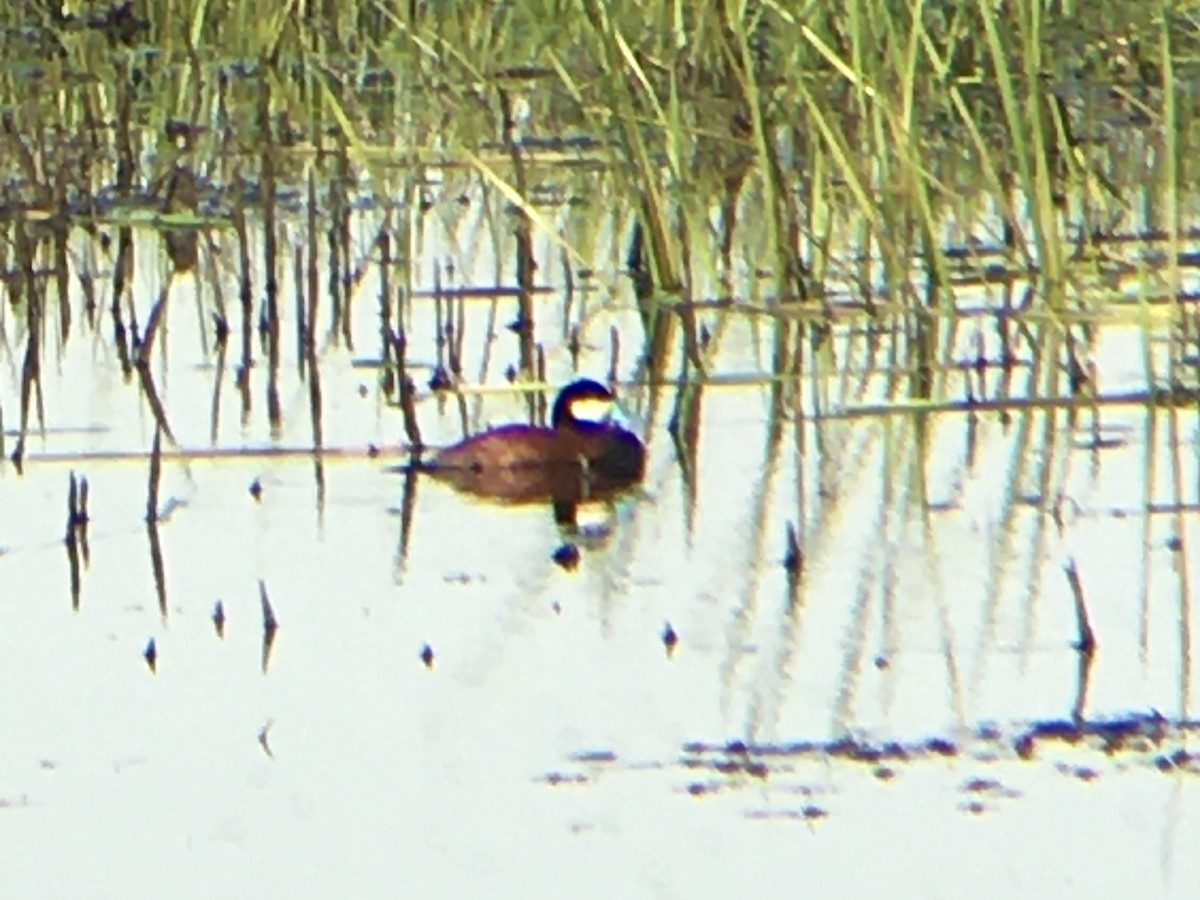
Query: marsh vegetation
(902,298)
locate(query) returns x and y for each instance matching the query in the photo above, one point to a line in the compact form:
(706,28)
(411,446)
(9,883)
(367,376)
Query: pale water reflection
(549,743)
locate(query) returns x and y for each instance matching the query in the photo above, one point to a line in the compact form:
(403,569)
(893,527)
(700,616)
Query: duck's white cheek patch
(591,409)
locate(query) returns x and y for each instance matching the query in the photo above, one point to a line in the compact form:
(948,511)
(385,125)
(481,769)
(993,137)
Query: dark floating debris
(427,656)
(941,747)
(593,756)
(566,557)
(1179,760)
(82,520)
(744,764)
(510,373)
(1137,732)
(555,779)
(83,517)
(73,567)
(1086,641)
(989,787)
(1149,739)
(793,558)
(218,618)
(270,624)
(669,638)
(71,540)
(256,490)
(150,654)
(264,737)
(72,502)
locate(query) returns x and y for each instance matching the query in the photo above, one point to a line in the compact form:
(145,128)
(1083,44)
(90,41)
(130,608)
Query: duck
(586,453)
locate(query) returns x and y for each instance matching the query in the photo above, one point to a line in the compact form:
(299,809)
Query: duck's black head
(581,404)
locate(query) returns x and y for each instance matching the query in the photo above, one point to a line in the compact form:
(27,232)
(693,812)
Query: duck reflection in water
(587,453)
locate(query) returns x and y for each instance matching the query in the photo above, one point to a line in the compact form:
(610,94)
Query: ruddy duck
(586,453)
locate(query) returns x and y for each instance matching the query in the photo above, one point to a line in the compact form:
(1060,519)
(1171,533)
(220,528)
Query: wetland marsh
(903,307)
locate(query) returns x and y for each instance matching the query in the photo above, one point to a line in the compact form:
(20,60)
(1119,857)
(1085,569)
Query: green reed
(829,149)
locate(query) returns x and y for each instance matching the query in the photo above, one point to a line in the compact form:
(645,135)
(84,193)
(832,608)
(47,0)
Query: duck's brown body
(575,460)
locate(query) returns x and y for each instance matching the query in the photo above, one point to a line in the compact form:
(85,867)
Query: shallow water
(552,739)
